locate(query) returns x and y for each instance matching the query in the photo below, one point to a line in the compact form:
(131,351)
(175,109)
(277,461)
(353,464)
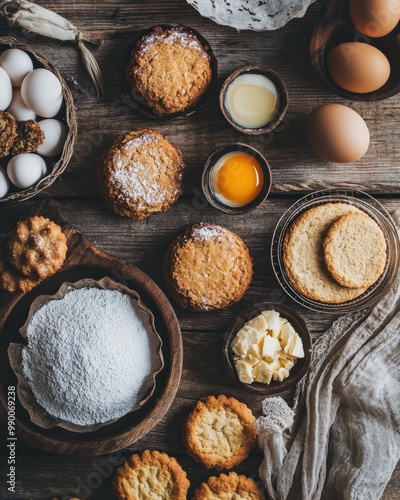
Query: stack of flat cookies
(334,252)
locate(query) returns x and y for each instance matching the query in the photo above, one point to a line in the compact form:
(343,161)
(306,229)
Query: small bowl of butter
(254,100)
(267,348)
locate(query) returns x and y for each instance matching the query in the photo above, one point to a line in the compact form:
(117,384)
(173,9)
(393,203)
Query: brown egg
(358,67)
(374,18)
(337,133)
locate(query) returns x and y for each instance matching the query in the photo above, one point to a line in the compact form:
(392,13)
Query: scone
(169,70)
(10,280)
(303,254)
(219,432)
(29,137)
(8,132)
(355,251)
(208,267)
(37,247)
(151,475)
(229,487)
(141,174)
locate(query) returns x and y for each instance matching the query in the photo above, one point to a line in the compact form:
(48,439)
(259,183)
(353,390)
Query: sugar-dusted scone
(29,137)
(355,251)
(37,247)
(169,70)
(151,475)
(219,432)
(8,132)
(303,254)
(229,487)
(207,267)
(10,280)
(141,174)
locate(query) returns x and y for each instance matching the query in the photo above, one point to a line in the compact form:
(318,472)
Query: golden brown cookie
(229,487)
(10,280)
(303,254)
(29,137)
(219,432)
(8,132)
(208,267)
(169,70)
(37,247)
(151,475)
(355,251)
(141,174)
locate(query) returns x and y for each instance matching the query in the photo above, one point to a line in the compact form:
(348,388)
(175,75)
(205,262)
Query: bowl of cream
(254,100)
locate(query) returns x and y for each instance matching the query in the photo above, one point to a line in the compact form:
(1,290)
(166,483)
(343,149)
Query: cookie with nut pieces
(10,280)
(219,432)
(8,132)
(207,267)
(29,137)
(151,475)
(229,487)
(37,247)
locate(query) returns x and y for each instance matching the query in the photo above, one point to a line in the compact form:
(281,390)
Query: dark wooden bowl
(298,370)
(283,99)
(334,28)
(137,100)
(84,260)
(210,162)
(57,165)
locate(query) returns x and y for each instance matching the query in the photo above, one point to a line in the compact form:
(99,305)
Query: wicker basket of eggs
(37,122)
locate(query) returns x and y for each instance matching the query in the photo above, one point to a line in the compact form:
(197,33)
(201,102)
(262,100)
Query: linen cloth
(341,440)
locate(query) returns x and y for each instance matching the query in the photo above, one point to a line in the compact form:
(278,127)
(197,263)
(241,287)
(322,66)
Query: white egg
(25,170)
(55,133)
(4,184)
(6,90)
(17,64)
(19,109)
(42,92)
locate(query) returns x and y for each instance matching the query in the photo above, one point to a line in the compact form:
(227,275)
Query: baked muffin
(207,267)
(141,174)
(169,70)
(37,247)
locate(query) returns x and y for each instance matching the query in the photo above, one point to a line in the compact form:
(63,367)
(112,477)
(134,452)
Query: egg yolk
(239,179)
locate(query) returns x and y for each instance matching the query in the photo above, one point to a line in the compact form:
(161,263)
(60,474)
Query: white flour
(88,355)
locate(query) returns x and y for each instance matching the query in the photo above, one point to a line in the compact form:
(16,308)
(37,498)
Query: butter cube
(296,347)
(258,323)
(244,371)
(287,331)
(287,363)
(270,346)
(273,320)
(262,372)
(245,338)
(275,364)
(281,374)
(255,351)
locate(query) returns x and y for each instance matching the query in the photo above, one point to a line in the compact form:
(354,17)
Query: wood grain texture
(295,170)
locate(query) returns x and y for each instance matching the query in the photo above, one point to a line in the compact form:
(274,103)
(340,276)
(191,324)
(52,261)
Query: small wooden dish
(138,102)
(334,28)
(209,164)
(283,99)
(84,260)
(57,165)
(300,367)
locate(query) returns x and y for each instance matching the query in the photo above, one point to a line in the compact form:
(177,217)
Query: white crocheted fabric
(257,15)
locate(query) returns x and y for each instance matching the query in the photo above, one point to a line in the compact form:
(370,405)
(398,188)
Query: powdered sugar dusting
(182,38)
(210,232)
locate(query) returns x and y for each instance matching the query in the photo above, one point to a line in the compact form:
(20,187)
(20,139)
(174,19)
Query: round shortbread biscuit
(208,267)
(303,255)
(229,487)
(151,475)
(355,251)
(219,432)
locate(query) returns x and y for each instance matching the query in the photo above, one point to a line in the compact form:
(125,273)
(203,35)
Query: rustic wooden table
(295,171)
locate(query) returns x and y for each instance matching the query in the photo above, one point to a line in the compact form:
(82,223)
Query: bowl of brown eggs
(37,122)
(355,49)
